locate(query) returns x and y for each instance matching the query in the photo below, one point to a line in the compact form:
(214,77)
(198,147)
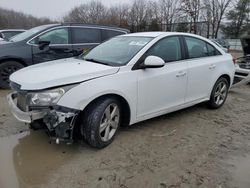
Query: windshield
(117,51)
(28,33)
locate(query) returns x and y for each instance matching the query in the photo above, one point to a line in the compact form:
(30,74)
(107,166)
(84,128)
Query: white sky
(54,9)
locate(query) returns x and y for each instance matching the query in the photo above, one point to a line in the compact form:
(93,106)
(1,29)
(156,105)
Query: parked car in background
(242,74)
(125,80)
(50,42)
(223,48)
(223,42)
(6,34)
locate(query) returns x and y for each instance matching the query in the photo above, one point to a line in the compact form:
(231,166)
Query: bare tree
(12,19)
(92,12)
(239,19)
(118,15)
(138,15)
(144,15)
(168,12)
(193,9)
(216,10)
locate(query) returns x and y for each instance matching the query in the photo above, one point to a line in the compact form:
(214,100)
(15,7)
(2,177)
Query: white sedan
(124,80)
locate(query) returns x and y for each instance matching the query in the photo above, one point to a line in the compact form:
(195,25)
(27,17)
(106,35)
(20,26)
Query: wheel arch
(19,60)
(125,107)
(227,77)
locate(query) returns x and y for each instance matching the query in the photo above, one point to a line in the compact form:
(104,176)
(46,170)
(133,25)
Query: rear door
(84,39)
(59,45)
(202,64)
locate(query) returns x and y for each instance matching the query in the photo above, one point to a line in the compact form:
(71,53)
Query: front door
(59,46)
(160,89)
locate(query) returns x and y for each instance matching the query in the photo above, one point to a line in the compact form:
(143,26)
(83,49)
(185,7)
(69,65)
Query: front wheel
(101,121)
(219,93)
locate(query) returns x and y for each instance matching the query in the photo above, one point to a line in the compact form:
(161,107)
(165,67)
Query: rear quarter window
(198,48)
(212,51)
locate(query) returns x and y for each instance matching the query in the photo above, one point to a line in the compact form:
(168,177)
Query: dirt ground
(195,147)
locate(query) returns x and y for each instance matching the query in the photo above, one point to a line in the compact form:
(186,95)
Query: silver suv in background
(51,42)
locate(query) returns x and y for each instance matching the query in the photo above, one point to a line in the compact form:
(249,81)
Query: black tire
(214,103)
(6,69)
(92,118)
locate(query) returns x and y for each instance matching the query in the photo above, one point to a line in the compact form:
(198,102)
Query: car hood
(2,41)
(59,72)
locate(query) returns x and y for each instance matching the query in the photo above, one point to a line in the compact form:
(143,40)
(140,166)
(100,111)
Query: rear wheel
(6,69)
(219,93)
(101,122)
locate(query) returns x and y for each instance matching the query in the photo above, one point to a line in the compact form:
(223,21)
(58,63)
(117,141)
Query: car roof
(3,30)
(155,34)
(95,25)
(146,34)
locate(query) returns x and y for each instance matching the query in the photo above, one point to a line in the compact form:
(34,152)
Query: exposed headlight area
(40,108)
(38,100)
(45,98)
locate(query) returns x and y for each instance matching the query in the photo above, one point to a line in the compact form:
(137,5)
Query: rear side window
(107,34)
(85,35)
(198,48)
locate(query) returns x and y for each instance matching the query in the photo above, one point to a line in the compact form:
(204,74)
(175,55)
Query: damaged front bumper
(58,120)
(26,117)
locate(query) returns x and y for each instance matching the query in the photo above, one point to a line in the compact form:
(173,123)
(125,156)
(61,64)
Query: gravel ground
(194,147)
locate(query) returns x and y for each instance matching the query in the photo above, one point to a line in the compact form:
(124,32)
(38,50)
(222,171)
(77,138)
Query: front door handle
(181,74)
(212,66)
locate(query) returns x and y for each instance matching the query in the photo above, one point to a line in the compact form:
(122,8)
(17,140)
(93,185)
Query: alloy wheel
(220,93)
(109,122)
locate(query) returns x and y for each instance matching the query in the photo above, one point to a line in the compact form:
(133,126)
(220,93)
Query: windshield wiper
(97,61)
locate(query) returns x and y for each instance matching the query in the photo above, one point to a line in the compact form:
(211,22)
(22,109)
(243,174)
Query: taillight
(234,59)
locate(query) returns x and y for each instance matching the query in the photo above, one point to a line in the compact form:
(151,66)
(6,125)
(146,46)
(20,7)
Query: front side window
(56,36)
(29,33)
(86,35)
(168,49)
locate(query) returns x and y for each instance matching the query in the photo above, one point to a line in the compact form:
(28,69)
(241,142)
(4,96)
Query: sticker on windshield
(138,43)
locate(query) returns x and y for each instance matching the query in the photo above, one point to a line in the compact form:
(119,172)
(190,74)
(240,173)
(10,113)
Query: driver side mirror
(153,62)
(43,44)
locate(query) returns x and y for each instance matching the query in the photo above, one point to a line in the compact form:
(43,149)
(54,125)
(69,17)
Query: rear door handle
(181,74)
(212,66)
